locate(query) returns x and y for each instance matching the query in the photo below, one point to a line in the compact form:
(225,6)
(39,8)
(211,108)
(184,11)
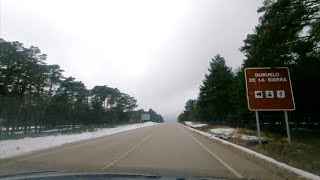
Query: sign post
(287,125)
(269,89)
(258,127)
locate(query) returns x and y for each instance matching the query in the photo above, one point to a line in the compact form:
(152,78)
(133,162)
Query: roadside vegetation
(287,36)
(36,98)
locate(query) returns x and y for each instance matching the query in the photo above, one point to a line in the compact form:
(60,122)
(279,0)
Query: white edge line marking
(145,139)
(215,156)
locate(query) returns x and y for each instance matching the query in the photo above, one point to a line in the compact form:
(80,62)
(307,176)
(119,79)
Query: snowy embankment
(225,133)
(9,148)
(195,124)
(299,172)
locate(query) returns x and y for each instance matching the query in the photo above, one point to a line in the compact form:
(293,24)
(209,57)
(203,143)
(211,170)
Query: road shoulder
(271,165)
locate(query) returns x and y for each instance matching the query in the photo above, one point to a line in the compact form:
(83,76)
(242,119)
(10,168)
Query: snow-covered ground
(223,133)
(195,124)
(226,133)
(297,171)
(249,138)
(9,148)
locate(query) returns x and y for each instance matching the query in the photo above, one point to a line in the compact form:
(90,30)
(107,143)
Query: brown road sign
(269,89)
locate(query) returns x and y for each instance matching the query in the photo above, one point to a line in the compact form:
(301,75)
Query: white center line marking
(215,156)
(145,139)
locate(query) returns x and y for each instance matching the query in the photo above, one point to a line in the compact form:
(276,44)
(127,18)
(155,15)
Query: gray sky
(155,51)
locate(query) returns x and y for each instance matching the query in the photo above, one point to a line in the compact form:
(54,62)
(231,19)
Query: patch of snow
(51,130)
(9,148)
(198,125)
(18,132)
(61,129)
(194,124)
(297,171)
(225,131)
(188,123)
(249,138)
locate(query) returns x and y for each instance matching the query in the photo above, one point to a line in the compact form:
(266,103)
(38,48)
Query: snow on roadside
(297,171)
(9,148)
(198,125)
(194,124)
(225,131)
(249,138)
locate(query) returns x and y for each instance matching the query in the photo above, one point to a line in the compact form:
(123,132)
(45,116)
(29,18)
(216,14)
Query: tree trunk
(73,125)
(59,126)
(12,128)
(29,129)
(25,128)
(36,128)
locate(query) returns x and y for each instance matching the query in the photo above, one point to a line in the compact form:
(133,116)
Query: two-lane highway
(164,149)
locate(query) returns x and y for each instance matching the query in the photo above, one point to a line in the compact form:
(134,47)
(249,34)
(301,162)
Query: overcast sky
(155,51)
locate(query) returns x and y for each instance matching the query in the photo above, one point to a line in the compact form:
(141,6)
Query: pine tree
(214,97)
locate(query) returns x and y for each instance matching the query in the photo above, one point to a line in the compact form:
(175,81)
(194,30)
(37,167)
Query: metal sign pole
(258,127)
(287,125)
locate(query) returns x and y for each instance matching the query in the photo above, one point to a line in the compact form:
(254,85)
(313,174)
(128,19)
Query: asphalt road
(165,149)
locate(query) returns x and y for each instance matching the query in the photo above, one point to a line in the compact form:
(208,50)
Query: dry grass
(247,132)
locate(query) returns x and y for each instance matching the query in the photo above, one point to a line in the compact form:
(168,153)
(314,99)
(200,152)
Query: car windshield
(146,89)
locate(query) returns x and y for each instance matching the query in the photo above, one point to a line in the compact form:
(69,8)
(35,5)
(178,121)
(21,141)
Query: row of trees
(288,35)
(33,93)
